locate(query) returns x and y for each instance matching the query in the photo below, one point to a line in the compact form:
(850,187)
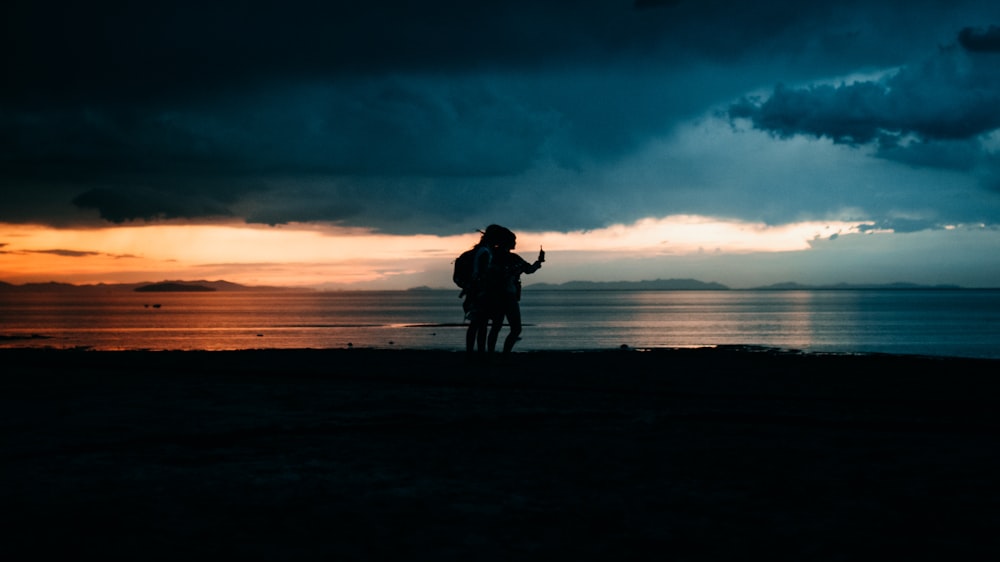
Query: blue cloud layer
(439,116)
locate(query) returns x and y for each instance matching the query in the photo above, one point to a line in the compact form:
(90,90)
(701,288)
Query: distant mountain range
(159,287)
(175,287)
(653,285)
(848,286)
(695,285)
(649,285)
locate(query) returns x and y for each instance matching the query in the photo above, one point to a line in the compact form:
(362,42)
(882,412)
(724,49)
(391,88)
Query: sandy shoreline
(676,454)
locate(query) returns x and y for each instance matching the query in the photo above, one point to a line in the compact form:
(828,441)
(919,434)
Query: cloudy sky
(362,144)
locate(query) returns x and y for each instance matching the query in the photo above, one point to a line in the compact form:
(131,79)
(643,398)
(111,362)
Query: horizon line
(695,284)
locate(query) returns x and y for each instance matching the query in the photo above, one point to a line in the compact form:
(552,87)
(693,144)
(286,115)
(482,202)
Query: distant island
(653,285)
(695,285)
(851,286)
(174,287)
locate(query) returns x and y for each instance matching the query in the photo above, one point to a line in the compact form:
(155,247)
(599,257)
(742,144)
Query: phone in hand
(541,254)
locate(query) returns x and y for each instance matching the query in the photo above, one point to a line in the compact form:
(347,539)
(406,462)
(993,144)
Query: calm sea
(928,322)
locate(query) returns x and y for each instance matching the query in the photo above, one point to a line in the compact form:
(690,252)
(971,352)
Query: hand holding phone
(541,254)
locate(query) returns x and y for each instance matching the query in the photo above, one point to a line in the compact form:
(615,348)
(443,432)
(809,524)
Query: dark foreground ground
(414,455)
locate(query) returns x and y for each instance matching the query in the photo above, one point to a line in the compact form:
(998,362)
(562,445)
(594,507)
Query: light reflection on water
(938,322)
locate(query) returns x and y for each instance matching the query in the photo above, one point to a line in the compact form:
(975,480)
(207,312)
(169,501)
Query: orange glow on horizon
(313,255)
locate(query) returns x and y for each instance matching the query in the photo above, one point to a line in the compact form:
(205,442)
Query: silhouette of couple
(495,292)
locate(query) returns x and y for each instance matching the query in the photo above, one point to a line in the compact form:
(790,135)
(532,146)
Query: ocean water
(961,323)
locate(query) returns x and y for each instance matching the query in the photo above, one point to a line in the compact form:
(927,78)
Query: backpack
(464,265)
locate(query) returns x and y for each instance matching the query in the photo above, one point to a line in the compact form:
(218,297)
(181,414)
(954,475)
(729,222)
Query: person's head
(490,235)
(496,236)
(508,240)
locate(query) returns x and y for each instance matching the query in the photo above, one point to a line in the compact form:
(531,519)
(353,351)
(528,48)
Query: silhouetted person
(503,281)
(477,303)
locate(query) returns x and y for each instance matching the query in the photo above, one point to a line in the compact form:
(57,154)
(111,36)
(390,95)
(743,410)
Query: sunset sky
(361,145)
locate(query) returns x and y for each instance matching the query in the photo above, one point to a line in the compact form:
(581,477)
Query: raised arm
(526,267)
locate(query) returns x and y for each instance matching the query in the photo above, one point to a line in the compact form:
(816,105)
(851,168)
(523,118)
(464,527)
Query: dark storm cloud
(124,50)
(197,161)
(981,40)
(122,205)
(932,114)
(945,99)
(410,116)
(153,108)
(644,4)
(129,49)
(388,126)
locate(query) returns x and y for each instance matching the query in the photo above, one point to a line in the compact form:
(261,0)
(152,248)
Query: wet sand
(701,454)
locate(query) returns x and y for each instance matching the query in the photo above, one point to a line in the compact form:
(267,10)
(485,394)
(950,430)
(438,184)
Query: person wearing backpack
(471,268)
(503,288)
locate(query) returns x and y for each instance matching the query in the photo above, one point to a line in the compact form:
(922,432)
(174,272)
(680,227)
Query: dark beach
(692,454)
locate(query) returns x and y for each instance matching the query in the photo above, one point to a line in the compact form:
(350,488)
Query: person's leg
(496,320)
(479,317)
(514,319)
(472,332)
(481,336)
